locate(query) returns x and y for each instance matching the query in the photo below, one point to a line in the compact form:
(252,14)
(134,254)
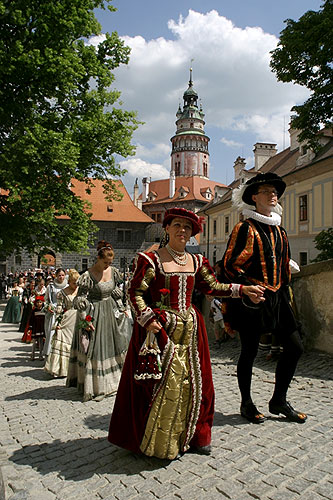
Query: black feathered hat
(252,185)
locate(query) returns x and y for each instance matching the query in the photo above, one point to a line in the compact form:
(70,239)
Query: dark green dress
(12,313)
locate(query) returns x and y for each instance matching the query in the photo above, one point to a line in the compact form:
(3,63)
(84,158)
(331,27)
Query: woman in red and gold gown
(164,414)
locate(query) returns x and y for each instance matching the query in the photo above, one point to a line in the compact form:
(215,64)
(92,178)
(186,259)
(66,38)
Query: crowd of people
(149,346)
(79,325)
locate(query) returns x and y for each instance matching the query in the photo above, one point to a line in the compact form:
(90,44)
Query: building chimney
(145,189)
(239,166)
(136,193)
(293,135)
(172,184)
(263,151)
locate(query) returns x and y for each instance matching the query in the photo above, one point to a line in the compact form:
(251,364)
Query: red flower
(164,291)
(88,318)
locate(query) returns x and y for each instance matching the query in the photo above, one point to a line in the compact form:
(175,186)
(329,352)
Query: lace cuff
(236,290)
(145,316)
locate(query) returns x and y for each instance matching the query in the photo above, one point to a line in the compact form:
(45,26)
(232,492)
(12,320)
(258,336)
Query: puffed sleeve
(206,282)
(239,251)
(117,293)
(85,284)
(60,303)
(47,299)
(138,291)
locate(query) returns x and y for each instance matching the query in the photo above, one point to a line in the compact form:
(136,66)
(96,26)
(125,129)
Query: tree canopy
(304,55)
(324,243)
(60,118)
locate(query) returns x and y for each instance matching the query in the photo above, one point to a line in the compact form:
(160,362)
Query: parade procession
(165,294)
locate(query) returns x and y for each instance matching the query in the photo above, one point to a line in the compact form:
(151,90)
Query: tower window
(214,227)
(205,169)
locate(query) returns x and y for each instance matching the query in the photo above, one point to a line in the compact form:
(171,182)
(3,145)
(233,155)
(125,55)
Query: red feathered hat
(39,297)
(184,214)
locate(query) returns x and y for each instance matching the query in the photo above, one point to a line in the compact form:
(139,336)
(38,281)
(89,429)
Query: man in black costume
(258,253)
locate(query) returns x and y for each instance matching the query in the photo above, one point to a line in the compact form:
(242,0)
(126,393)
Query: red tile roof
(104,210)
(196,185)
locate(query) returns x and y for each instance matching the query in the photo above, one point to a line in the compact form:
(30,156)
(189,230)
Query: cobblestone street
(54,447)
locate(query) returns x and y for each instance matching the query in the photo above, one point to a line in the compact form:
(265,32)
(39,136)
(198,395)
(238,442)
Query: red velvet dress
(167,416)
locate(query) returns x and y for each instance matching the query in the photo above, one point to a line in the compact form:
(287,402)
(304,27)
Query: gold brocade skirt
(175,408)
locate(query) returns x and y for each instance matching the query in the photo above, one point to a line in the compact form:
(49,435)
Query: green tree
(60,119)
(304,55)
(324,243)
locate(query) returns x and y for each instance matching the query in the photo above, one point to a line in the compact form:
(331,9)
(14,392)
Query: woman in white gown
(58,359)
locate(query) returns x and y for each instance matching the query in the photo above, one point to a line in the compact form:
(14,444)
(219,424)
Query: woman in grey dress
(103,332)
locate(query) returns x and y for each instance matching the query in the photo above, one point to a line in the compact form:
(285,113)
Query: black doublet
(258,254)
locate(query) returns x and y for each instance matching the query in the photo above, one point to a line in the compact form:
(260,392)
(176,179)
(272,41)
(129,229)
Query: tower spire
(190,156)
(190,83)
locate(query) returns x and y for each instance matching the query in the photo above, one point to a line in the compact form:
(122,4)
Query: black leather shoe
(288,411)
(202,450)
(252,414)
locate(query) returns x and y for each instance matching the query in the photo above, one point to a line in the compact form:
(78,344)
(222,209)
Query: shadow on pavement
(50,392)
(37,374)
(312,364)
(221,419)
(98,422)
(80,459)
(23,347)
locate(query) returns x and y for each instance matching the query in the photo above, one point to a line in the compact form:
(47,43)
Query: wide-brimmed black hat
(252,185)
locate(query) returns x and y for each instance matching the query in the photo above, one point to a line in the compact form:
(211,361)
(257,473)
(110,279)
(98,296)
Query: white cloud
(96,40)
(231,74)
(140,168)
(155,151)
(231,71)
(230,143)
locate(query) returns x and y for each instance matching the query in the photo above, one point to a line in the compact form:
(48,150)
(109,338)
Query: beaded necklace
(180,258)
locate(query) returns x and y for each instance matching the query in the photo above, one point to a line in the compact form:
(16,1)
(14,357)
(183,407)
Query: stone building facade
(120,223)
(307,202)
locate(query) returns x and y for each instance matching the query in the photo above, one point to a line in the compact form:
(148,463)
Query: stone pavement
(54,447)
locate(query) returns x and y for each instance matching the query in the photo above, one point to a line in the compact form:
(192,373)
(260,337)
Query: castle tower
(190,156)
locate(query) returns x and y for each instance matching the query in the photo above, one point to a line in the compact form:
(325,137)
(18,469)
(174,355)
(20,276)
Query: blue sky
(230,43)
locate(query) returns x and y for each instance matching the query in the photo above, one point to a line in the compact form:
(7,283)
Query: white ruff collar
(273,220)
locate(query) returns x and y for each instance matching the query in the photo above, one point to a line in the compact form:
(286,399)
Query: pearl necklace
(180,258)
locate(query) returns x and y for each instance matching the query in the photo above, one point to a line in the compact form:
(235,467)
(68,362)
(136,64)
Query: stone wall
(313,295)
